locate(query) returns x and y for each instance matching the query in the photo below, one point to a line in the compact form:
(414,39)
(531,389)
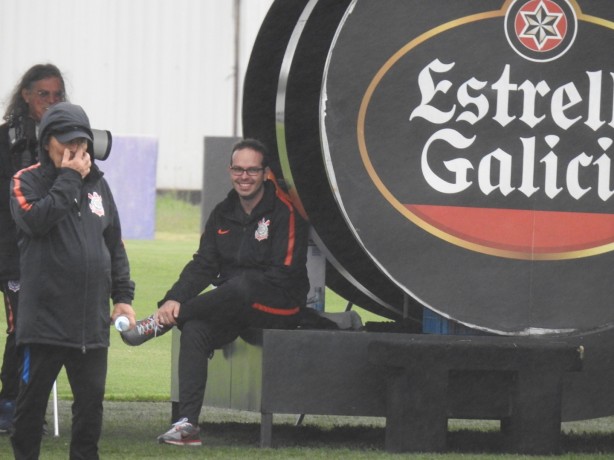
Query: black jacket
(270,244)
(72,256)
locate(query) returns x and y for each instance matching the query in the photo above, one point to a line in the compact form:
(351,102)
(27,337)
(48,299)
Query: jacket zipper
(242,246)
(86,271)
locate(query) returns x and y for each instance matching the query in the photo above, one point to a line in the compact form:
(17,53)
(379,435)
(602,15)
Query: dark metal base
(328,372)
(422,393)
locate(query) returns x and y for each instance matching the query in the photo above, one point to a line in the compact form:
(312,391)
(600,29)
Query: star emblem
(541,25)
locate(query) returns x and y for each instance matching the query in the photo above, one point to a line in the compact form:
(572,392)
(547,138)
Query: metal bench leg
(535,425)
(266,429)
(416,418)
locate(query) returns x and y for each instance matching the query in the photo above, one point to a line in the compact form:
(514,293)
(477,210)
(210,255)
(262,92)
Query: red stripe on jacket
(23,203)
(275,311)
(291,226)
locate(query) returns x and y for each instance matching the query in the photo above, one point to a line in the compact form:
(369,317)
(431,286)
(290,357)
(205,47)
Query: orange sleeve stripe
(23,203)
(291,227)
(275,311)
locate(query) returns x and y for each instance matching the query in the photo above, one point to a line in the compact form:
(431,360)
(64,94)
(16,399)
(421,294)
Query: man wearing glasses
(39,88)
(254,250)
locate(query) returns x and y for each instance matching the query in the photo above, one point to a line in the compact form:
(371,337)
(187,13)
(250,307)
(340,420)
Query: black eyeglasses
(44,94)
(238,171)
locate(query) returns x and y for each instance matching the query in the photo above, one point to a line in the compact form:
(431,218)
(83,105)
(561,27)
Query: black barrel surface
(456,156)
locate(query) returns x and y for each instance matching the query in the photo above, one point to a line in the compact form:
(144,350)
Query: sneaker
(144,330)
(7,412)
(182,433)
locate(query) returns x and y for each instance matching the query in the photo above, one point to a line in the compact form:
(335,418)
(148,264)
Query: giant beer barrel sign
(482,142)
(454,155)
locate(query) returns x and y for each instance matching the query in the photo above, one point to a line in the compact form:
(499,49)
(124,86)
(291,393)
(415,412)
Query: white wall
(162,68)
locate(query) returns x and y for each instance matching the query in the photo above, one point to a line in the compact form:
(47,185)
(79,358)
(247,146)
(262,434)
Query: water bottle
(122,323)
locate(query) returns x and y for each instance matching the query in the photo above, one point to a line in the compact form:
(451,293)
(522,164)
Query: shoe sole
(181,443)
(133,340)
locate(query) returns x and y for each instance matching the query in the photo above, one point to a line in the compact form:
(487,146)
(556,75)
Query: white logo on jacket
(262,232)
(96,204)
(14,285)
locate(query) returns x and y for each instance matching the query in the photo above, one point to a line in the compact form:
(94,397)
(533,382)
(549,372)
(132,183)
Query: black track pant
(86,374)
(9,375)
(216,318)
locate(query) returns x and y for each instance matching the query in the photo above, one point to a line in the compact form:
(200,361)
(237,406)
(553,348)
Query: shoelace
(150,325)
(179,425)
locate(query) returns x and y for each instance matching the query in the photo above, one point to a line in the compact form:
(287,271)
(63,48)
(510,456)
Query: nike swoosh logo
(222,232)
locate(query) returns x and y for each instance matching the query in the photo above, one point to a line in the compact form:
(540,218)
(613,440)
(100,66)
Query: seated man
(254,250)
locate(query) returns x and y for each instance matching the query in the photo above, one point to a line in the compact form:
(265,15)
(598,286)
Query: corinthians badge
(262,232)
(96,204)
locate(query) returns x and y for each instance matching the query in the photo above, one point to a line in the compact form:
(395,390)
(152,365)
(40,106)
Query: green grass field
(137,404)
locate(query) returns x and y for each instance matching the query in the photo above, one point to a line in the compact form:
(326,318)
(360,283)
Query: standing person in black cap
(73,261)
(39,88)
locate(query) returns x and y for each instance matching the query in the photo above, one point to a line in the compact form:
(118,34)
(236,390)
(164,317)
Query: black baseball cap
(72,133)
(66,122)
